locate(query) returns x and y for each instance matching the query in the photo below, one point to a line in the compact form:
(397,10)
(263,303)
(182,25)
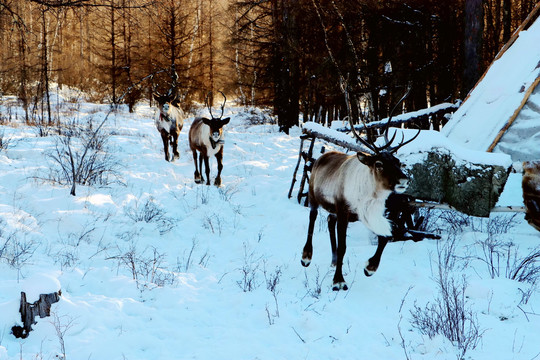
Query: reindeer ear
(156,97)
(225,121)
(207,121)
(364,158)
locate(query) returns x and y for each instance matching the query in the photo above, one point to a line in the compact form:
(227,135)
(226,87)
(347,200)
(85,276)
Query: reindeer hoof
(368,271)
(340,286)
(305,262)
(217,182)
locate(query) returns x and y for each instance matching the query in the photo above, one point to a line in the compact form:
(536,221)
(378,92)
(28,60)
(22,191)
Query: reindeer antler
(392,114)
(223,105)
(208,104)
(396,148)
(364,142)
(210,107)
(387,146)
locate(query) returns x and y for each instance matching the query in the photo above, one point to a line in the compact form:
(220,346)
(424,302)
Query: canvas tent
(502,112)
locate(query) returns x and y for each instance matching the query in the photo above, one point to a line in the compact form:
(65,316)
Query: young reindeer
(169,122)
(206,137)
(354,188)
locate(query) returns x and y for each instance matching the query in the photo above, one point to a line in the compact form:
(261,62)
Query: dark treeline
(296,56)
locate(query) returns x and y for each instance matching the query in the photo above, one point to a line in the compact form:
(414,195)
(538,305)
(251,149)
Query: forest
(297,57)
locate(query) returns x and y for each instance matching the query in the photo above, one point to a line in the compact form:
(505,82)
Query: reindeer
(354,188)
(206,137)
(531,192)
(169,122)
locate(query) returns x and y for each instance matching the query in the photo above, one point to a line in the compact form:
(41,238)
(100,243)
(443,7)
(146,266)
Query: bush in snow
(82,156)
(4,141)
(249,271)
(146,267)
(449,314)
(149,212)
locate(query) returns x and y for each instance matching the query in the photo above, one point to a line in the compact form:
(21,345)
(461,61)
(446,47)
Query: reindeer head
(216,123)
(386,168)
(165,101)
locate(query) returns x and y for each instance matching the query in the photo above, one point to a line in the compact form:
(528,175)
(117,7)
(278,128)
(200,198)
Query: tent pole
(514,115)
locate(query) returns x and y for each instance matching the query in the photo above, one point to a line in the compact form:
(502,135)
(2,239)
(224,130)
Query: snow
(203,263)
(415,151)
(399,118)
(495,99)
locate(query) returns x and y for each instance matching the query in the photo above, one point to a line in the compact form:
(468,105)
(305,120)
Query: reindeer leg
(174,143)
(219,158)
(342,223)
(201,157)
(373,263)
(332,220)
(165,138)
(308,247)
(197,174)
(207,169)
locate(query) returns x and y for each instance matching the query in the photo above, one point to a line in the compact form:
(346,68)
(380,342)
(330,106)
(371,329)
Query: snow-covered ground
(215,273)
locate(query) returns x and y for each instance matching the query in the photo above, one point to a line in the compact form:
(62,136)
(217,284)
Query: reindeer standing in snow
(354,188)
(169,122)
(206,137)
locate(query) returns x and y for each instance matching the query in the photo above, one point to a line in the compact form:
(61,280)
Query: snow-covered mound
(153,266)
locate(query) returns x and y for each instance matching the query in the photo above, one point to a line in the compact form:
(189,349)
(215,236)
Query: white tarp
(492,103)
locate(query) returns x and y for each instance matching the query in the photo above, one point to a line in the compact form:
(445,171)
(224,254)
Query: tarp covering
(497,98)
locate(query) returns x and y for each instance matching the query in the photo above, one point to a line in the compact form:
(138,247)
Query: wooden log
(302,139)
(411,117)
(332,136)
(307,168)
(29,311)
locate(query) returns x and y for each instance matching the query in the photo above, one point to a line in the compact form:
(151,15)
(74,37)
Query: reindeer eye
(378,165)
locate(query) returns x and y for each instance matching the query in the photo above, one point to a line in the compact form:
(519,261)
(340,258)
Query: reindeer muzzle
(217,138)
(401,186)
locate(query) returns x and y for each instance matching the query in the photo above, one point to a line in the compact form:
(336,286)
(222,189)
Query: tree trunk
(286,66)
(507,21)
(113,54)
(45,66)
(474,16)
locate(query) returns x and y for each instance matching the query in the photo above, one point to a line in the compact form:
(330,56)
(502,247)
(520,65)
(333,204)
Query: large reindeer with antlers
(206,137)
(355,188)
(169,121)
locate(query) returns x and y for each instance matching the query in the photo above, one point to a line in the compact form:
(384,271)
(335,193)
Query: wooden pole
(514,115)
(496,209)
